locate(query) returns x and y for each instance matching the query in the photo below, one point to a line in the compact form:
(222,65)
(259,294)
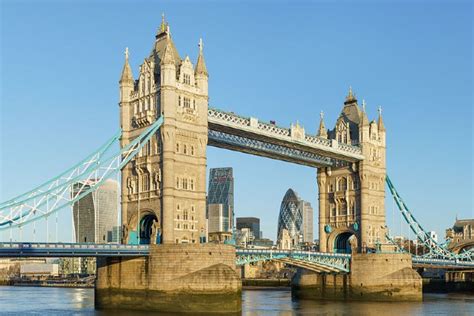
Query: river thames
(67,301)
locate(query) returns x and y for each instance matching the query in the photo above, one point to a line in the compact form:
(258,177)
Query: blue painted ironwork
(337,262)
(437,250)
(37,204)
(334,263)
(70,173)
(56,250)
(261,148)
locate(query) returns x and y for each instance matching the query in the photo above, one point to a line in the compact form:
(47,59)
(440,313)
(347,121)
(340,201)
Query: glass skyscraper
(291,216)
(221,191)
(96,213)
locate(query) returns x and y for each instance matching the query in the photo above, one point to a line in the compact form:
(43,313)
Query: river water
(67,301)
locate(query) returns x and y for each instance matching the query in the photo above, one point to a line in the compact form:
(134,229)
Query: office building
(252,223)
(96,213)
(307,212)
(290,220)
(221,192)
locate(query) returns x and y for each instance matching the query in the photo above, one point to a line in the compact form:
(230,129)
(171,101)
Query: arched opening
(148,224)
(342,243)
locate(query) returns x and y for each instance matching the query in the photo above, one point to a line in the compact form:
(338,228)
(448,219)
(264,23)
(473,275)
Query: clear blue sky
(61,61)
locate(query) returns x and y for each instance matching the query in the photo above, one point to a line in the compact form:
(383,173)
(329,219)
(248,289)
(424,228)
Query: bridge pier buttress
(173,278)
(374,277)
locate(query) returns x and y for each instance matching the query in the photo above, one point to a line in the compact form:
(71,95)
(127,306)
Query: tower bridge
(166,125)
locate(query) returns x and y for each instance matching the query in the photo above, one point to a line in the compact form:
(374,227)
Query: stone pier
(379,277)
(193,278)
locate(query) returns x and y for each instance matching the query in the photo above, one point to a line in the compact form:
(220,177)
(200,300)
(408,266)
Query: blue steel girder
(59,192)
(339,262)
(266,149)
(437,250)
(294,137)
(56,250)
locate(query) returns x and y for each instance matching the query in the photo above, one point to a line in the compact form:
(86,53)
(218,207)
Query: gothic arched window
(342,184)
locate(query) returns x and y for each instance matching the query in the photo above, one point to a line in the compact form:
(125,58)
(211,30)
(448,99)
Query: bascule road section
(250,135)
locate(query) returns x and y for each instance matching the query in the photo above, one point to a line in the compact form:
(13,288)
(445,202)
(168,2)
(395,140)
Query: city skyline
(405,99)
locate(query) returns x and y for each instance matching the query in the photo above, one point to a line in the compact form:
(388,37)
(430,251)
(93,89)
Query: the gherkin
(290,217)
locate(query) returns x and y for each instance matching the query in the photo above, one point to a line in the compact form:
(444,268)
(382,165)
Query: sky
(282,61)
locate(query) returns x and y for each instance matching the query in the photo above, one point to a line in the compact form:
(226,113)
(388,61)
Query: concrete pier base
(378,277)
(194,278)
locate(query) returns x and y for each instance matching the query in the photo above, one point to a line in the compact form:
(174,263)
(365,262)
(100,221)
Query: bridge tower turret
(352,195)
(164,186)
(126,88)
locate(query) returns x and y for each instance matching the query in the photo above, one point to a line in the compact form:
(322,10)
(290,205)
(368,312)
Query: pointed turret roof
(168,56)
(380,124)
(127,75)
(163,40)
(201,64)
(364,120)
(322,131)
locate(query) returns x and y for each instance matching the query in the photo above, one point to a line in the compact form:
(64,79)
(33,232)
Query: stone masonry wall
(183,277)
(373,277)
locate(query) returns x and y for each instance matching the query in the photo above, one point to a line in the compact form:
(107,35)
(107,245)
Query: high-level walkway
(250,135)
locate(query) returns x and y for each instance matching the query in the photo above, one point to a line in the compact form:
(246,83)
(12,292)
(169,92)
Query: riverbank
(49,283)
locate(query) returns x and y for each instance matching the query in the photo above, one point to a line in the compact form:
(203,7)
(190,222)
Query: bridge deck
(325,262)
(15,250)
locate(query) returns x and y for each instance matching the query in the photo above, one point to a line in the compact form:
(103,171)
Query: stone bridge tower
(352,195)
(164,186)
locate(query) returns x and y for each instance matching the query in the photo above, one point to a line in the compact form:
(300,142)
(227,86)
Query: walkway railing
(272,131)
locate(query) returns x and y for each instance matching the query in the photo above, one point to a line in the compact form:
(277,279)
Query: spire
(201,64)
(322,132)
(127,75)
(168,56)
(364,120)
(164,27)
(380,124)
(350,98)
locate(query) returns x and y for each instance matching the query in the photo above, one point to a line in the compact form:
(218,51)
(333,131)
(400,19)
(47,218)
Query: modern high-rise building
(216,218)
(295,222)
(290,219)
(221,192)
(95,215)
(307,212)
(252,223)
